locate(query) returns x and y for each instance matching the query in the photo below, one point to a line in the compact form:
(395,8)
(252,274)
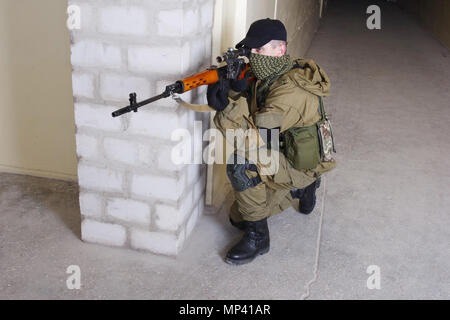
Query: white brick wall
(170,23)
(158,242)
(93,53)
(83,85)
(187,205)
(99,178)
(90,205)
(117,87)
(164,160)
(156,124)
(192,221)
(207,14)
(193,173)
(104,233)
(167,217)
(157,187)
(87,146)
(122,150)
(132,194)
(191,22)
(160,60)
(146,154)
(96,116)
(129,210)
(123,20)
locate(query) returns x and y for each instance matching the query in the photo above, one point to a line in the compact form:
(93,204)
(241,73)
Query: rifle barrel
(134,107)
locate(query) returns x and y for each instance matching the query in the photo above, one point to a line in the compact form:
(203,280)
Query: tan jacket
(292,102)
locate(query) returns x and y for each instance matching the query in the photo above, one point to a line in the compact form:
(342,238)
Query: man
(283,107)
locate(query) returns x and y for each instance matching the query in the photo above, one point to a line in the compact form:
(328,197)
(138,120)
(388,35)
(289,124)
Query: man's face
(270,50)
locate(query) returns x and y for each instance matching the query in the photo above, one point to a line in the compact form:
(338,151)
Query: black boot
(240,225)
(307,197)
(297,193)
(255,241)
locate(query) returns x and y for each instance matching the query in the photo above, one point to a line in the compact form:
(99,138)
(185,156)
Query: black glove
(217,94)
(240,85)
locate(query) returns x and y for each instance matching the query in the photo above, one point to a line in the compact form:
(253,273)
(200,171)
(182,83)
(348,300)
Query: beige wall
(434,16)
(37,132)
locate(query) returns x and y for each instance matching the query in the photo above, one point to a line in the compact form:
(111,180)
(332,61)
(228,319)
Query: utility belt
(306,147)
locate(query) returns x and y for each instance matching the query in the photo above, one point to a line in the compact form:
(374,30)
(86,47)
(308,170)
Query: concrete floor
(387,203)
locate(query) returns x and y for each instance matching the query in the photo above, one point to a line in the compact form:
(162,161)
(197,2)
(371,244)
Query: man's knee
(237,174)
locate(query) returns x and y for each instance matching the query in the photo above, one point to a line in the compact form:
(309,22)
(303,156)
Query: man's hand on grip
(240,85)
(217,94)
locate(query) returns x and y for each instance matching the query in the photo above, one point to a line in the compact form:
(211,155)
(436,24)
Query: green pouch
(301,147)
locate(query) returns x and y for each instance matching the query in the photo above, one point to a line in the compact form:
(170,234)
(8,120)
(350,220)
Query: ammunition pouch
(301,147)
(238,177)
(306,147)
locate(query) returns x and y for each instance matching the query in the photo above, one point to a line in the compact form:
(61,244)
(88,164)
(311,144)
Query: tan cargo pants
(272,195)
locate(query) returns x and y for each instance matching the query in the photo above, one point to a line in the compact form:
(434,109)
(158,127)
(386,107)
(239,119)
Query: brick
(117,88)
(165,60)
(201,206)
(90,204)
(197,53)
(167,217)
(129,210)
(207,14)
(157,186)
(103,233)
(157,242)
(96,116)
(190,22)
(197,140)
(192,221)
(199,188)
(87,146)
(99,178)
(164,160)
(193,173)
(121,150)
(83,85)
(208,47)
(88,19)
(186,207)
(170,23)
(92,53)
(181,153)
(123,20)
(146,155)
(201,96)
(156,124)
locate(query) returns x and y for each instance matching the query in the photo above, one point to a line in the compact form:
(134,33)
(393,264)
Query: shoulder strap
(322,109)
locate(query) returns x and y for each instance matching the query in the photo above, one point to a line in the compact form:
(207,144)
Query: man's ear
(282,48)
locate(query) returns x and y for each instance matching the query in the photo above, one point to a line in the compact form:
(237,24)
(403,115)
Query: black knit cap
(263,31)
